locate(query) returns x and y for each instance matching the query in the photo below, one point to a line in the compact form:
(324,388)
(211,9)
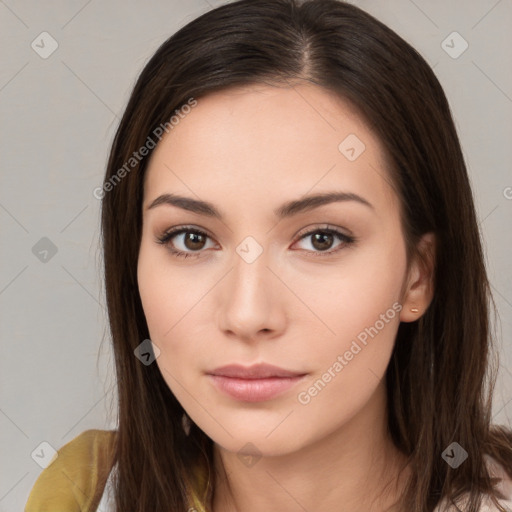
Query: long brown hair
(441,376)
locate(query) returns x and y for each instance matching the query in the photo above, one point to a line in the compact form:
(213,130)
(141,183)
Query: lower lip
(254,390)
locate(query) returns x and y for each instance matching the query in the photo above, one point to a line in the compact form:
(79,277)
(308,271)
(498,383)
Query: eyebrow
(288,209)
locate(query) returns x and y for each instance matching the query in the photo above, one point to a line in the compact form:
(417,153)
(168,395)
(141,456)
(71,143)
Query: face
(314,288)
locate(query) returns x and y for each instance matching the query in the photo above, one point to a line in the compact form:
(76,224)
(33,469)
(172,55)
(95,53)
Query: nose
(251,301)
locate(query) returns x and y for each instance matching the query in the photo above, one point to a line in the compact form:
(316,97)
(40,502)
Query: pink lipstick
(255,383)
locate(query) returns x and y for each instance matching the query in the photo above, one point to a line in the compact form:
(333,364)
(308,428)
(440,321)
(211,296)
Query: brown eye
(185,241)
(194,240)
(322,241)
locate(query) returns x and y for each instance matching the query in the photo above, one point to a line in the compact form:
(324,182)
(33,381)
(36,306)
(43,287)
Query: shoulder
(75,479)
(503,487)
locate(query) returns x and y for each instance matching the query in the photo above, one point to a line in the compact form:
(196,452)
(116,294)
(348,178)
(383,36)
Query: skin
(248,150)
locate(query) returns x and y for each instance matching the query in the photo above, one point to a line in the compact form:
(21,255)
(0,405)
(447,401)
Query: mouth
(255,383)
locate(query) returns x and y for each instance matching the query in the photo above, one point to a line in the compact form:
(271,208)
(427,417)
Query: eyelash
(165,238)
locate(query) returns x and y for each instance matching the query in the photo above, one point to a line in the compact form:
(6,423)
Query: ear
(419,286)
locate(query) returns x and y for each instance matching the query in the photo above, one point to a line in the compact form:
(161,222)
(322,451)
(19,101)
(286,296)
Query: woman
(296,289)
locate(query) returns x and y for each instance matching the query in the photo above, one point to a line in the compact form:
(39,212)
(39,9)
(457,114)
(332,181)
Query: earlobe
(420,287)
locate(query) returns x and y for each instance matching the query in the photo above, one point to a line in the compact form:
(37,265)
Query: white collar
(107,503)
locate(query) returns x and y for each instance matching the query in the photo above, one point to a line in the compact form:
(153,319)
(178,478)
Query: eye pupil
(322,237)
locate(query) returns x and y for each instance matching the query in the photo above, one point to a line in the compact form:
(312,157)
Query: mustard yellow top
(74,481)
(76,478)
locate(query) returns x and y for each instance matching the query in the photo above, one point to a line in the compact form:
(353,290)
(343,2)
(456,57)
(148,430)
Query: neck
(355,467)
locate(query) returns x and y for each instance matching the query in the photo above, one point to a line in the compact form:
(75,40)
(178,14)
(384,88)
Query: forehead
(259,141)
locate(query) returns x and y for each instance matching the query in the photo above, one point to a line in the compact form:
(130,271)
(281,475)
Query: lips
(257,371)
(255,383)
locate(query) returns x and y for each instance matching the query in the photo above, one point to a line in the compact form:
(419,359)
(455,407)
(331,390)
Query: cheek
(166,299)
(353,294)
(156,296)
(361,307)
(165,310)
(350,366)
(167,291)
(174,298)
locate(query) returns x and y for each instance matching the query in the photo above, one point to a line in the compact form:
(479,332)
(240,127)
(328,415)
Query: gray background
(59,115)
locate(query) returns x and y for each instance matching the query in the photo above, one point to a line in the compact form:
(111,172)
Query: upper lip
(256,371)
